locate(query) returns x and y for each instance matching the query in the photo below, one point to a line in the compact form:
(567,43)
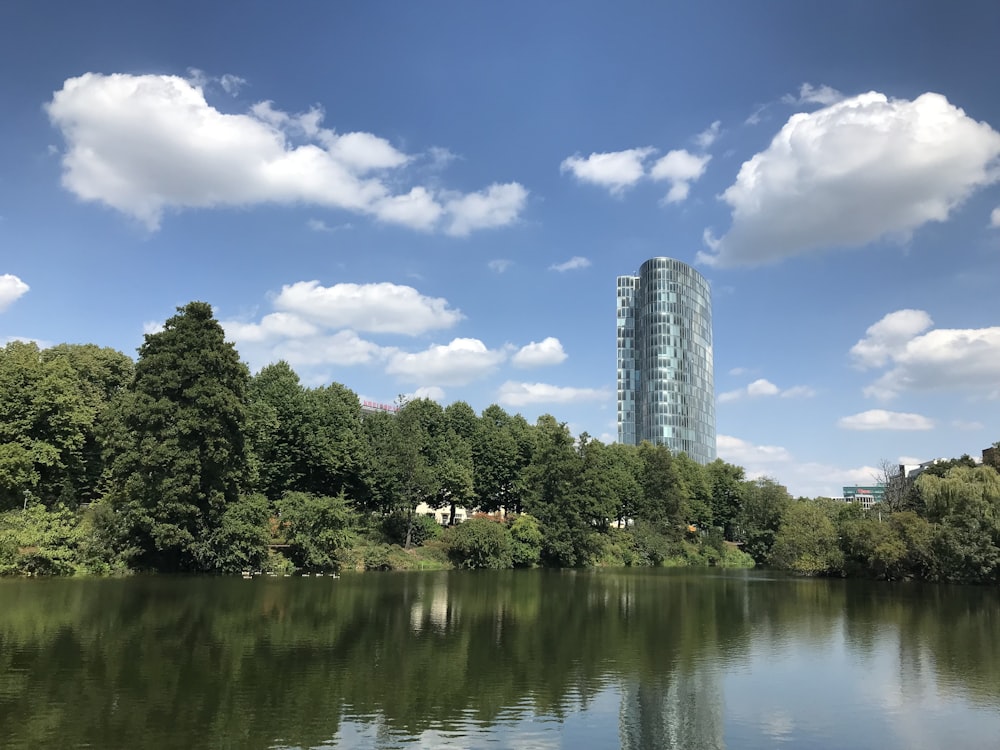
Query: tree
(764,503)
(664,494)
(276,426)
(53,405)
(500,452)
(184,459)
(806,541)
(727,484)
(316,528)
(555,497)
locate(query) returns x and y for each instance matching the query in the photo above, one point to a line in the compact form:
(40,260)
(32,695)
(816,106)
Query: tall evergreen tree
(184,459)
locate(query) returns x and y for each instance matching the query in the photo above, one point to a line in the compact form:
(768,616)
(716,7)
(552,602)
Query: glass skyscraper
(666,383)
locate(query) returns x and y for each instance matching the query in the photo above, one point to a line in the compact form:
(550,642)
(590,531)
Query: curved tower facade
(666,382)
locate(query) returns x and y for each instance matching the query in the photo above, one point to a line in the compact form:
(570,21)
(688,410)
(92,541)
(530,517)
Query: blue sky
(436,198)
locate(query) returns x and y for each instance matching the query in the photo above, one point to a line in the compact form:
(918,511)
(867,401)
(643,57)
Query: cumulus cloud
(764,387)
(680,168)
(880,419)
(499,265)
(513,393)
(614,170)
(344,348)
(146,144)
(375,308)
(852,172)
(889,337)
(497,206)
(548,351)
(920,359)
(573,264)
(11,290)
(708,136)
(995,217)
(456,363)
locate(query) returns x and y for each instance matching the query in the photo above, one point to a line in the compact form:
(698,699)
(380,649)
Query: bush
(480,543)
(526,541)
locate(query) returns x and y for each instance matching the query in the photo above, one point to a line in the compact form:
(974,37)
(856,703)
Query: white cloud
(272,327)
(851,173)
(152,326)
(11,289)
(880,419)
(921,359)
(513,393)
(457,363)
(708,136)
(889,336)
(680,168)
(739,371)
(995,217)
(763,387)
(431,392)
(146,144)
(573,264)
(499,265)
(809,94)
(614,170)
(497,206)
(344,348)
(375,308)
(549,351)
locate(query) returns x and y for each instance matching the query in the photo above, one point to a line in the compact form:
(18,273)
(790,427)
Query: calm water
(532,659)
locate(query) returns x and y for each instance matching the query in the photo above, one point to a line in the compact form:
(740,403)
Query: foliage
(316,528)
(525,541)
(764,502)
(39,541)
(480,543)
(184,457)
(806,541)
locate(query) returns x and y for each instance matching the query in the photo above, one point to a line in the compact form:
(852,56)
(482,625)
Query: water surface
(521,659)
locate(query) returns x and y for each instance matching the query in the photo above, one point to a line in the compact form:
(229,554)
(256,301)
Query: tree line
(182,461)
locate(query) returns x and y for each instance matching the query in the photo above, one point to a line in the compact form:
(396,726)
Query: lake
(516,659)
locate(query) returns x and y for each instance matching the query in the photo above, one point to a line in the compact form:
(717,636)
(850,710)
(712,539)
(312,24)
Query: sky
(436,199)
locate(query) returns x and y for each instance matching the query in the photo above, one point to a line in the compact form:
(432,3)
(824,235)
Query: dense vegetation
(184,462)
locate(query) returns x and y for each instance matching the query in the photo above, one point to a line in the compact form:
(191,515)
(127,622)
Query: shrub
(526,541)
(480,543)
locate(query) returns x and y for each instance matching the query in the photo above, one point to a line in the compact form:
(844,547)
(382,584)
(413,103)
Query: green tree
(555,496)
(806,541)
(727,483)
(316,528)
(526,541)
(184,459)
(764,503)
(276,427)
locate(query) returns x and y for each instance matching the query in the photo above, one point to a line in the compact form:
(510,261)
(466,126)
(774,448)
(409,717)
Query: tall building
(666,382)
